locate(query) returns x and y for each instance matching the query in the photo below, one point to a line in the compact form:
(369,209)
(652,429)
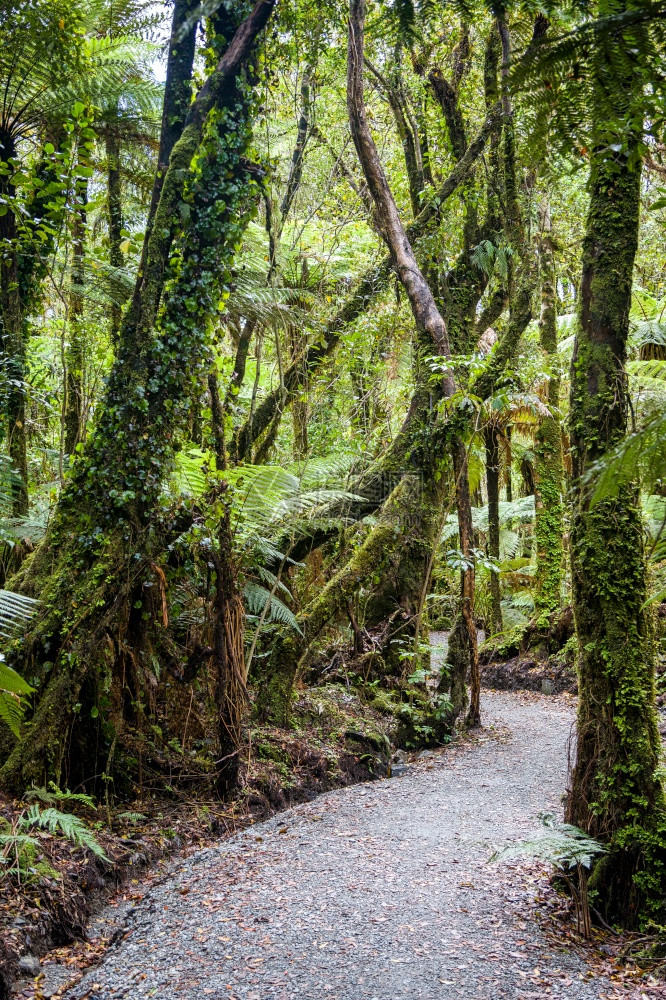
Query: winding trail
(375,892)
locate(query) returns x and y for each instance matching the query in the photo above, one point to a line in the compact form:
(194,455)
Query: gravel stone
(380,891)
(29,965)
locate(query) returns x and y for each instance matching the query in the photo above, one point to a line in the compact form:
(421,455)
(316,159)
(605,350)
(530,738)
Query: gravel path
(375,892)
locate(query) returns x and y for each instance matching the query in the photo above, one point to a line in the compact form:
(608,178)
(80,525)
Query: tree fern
(577,69)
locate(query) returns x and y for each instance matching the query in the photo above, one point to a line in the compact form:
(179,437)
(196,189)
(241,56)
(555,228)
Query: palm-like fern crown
(53,53)
(37,41)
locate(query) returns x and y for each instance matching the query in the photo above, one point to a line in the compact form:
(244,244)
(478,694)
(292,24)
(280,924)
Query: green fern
(131,817)
(519,511)
(565,846)
(69,826)
(13,692)
(16,610)
(54,794)
(642,453)
(490,258)
(652,371)
(11,842)
(588,67)
(255,601)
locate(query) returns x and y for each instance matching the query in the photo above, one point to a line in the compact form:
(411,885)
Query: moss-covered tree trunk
(75,355)
(548,464)
(106,532)
(467,624)
(231,695)
(12,339)
(615,790)
(491,437)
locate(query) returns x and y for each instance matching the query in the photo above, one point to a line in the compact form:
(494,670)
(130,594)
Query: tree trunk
(300,406)
(229,659)
(177,97)
(615,790)
(509,466)
(548,465)
(428,318)
(12,336)
(114,206)
(491,437)
(74,384)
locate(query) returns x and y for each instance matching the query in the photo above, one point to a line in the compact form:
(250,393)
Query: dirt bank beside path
(377,891)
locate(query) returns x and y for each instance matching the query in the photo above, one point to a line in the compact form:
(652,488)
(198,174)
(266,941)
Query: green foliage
(131,817)
(133,546)
(69,826)
(490,259)
(596,74)
(16,611)
(564,846)
(13,692)
(256,597)
(640,453)
(19,848)
(54,794)
(269,506)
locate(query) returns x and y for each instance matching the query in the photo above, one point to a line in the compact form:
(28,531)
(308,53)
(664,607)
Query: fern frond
(565,847)
(16,610)
(54,794)
(642,453)
(69,826)
(16,840)
(653,371)
(520,510)
(131,817)
(588,67)
(327,470)
(256,598)
(12,690)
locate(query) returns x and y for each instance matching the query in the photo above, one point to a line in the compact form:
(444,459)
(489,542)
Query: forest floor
(382,890)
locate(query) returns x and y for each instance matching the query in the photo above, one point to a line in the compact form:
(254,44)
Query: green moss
(385,702)
(617,792)
(548,464)
(271,751)
(549,521)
